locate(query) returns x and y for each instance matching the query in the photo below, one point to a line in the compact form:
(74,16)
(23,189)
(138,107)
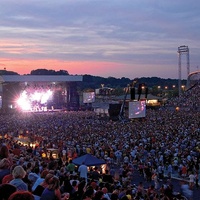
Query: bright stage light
(45,96)
(36,96)
(23,101)
(27,100)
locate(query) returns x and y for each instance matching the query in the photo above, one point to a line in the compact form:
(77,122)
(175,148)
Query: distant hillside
(94,82)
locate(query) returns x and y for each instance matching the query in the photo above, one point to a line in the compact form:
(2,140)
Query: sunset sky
(117,38)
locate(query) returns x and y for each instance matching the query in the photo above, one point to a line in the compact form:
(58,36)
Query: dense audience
(164,142)
(190,100)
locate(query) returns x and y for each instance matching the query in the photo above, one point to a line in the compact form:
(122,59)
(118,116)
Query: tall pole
(179,72)
(121,113)
(188,65)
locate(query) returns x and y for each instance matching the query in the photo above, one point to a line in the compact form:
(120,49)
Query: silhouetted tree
(48,72)
(5,72)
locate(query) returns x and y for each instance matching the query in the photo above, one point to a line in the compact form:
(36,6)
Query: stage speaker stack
(132,93)
(139,91)
(146,92)
(113,111)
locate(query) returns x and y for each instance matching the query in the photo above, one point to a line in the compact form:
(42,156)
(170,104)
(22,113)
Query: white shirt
(192,178)
(83,170)
(64,152)
(106,196)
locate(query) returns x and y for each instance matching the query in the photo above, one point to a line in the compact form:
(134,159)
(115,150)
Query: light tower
(183,50)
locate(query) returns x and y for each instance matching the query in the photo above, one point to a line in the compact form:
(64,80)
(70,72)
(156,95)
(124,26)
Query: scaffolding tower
(183,50)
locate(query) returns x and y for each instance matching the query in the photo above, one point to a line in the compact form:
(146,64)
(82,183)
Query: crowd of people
(190,99)
(164,142)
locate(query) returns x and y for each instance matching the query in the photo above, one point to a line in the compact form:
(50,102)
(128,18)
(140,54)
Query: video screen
(137,109)
(88,97)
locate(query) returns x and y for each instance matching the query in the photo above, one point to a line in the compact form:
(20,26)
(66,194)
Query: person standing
(95,175)
(186,191)
(52,191)
(4,153)
(64,155)
(197,179)
(169,171)
(18,174)
(4,168)
(70,167)
(191,180)
(155,179)
(83,171)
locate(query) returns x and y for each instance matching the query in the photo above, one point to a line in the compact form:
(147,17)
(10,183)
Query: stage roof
(40,78)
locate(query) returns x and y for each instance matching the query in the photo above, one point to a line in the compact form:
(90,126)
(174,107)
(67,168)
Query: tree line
(94,82)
